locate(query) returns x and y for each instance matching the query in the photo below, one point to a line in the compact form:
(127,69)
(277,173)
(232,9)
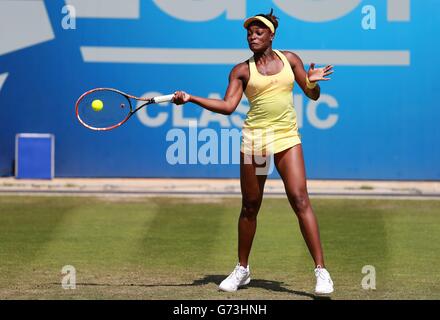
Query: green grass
(165,248)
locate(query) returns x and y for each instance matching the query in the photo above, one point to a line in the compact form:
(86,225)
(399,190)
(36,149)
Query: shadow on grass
(278,287)
(216,279)
(255,283)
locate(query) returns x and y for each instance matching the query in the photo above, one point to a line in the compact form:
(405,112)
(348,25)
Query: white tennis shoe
(241,276)
(324,283)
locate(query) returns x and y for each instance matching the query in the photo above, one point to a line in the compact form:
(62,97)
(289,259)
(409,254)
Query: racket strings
(103,108)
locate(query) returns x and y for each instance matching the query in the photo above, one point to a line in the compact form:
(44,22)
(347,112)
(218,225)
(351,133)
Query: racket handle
(161,99)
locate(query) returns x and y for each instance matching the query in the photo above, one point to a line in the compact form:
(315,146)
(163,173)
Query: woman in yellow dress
(270,128)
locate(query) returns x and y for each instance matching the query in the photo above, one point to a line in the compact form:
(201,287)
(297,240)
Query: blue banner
(378,118)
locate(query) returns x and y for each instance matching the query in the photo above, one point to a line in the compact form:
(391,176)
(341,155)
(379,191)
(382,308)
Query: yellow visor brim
(266,22)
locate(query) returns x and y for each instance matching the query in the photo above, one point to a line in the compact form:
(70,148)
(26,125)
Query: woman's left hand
(320,73)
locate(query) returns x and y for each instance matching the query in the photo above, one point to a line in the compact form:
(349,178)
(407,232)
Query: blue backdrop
(378,118)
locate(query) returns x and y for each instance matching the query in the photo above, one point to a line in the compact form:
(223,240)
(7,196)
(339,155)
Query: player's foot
(324,283)
(241,276)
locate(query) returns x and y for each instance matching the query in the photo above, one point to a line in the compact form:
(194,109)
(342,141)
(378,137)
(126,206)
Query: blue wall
(378,118)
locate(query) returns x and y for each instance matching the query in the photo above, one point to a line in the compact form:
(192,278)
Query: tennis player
(267,80)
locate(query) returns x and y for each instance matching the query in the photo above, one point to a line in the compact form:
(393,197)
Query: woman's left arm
(308,81)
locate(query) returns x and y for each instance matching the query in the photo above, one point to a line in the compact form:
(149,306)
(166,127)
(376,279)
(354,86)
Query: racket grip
(161,99)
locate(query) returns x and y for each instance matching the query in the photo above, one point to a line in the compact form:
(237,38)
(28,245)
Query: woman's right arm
(234,93)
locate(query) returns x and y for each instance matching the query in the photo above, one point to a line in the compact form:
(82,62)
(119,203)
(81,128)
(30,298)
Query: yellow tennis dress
(270,126)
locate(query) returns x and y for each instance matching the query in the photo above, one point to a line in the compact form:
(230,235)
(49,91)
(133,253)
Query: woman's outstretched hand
(320,73)
(181,97)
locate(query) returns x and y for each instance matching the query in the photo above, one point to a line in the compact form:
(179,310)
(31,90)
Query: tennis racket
(104,109)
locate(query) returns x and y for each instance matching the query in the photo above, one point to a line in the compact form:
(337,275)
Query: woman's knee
(299,200)
(250,207)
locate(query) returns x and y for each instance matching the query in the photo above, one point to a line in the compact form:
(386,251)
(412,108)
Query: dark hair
(270,17)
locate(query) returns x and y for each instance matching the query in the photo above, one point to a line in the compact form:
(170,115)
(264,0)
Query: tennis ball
(97,105)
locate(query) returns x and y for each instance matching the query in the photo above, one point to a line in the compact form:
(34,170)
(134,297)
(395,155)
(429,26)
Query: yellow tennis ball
(97,105)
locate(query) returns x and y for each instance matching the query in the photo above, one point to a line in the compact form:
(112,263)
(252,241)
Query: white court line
(233,56)
(225,195)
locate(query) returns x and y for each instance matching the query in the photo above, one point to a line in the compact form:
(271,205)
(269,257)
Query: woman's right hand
(181,97)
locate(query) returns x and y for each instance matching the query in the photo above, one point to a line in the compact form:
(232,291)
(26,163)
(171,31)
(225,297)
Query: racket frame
(128,96)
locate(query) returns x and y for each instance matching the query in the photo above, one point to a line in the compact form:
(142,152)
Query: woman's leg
(252,187)
(290,165)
